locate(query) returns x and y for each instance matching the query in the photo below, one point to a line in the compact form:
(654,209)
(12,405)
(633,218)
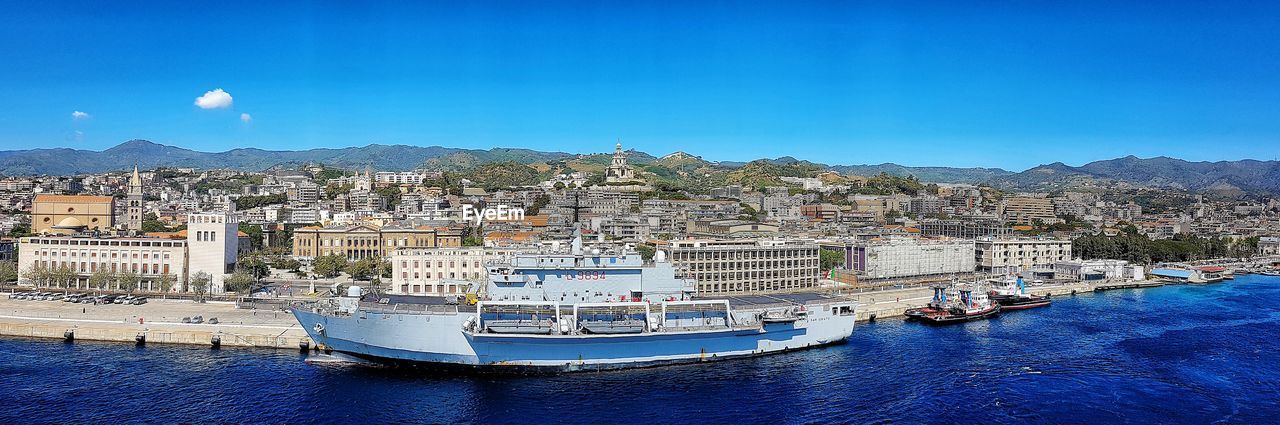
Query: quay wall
(890,304)
(260,338)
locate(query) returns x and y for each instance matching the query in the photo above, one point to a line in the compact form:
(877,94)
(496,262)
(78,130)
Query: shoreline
(278,330)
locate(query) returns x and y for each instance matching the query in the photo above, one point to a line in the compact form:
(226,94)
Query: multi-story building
(747,267)
(964,229)
(905,257)
(210,246)
(442,271)
(213,246)
(731,229)
(303,192)
(1024,255)
(7,249)
(1269,245)
(1086,270)
(366,240)
(1028,209)
(403,177)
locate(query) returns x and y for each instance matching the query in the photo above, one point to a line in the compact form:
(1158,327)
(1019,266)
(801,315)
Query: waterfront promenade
(159,320)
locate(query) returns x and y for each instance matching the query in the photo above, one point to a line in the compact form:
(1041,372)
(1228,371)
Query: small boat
(965,305)
(1015,297)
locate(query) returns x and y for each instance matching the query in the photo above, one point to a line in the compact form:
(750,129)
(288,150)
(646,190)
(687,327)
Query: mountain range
(1224,178)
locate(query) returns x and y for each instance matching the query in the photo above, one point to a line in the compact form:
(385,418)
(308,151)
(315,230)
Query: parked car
(186,320)
(121,299)
(213,320)
(139,300)
(86,300)
(197,319)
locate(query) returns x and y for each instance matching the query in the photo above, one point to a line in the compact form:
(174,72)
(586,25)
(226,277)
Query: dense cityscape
(222,231)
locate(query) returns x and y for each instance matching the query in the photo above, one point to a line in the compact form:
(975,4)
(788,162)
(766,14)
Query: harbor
(161,321)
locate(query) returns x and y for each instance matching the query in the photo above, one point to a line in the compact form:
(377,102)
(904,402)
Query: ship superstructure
(578,311)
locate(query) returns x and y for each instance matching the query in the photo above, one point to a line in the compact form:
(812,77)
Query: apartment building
(747,266)
(899,257)
(1006,256)
(442,271)
(1028,210)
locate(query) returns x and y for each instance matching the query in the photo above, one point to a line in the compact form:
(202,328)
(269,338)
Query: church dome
(69,223)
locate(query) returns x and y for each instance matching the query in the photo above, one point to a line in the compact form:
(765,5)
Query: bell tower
(134,213)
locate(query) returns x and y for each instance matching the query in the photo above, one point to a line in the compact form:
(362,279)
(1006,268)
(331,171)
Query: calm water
(1167,355)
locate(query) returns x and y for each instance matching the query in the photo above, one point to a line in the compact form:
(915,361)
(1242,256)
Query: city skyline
(920,84)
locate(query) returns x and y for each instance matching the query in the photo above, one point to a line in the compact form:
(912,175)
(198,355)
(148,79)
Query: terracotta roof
(72,198)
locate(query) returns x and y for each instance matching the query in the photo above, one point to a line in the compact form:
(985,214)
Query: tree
(151,223)
(255,235)
(330,265)
(102,278)
(8,271)
(646,252)
(166,281)
(240,281)
(363,269)
(63,277)
(37,274)
(288,264)
(128,281)
(830,259)
(200,285)
(255,266)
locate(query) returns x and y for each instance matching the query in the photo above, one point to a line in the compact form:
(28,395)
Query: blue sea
(1177,354)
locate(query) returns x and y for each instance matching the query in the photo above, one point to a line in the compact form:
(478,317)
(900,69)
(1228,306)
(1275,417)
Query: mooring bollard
(304,346)
(69,335)
(216,341)
(141,339)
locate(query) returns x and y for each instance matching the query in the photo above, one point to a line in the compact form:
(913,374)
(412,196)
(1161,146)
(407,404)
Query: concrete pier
(159,320)
(895,303)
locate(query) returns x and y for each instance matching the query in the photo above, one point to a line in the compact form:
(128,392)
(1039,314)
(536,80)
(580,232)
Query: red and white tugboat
(965,305)
(1015,297)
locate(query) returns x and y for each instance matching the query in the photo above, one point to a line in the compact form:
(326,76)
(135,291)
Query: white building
(1007,256)
(442,271)
(1082,270)
(210,247)
(906,257)
(212,243)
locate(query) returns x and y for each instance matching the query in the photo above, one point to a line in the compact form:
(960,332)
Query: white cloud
(246,118)
(214,99)
(77,115)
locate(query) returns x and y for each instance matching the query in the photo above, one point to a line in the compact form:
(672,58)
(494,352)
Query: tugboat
(1015,297)
(965,306)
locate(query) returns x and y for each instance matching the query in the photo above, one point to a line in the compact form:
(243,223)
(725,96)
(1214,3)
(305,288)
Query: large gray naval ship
(576,311)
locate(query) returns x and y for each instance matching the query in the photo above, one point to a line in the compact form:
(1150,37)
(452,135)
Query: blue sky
(1002,84)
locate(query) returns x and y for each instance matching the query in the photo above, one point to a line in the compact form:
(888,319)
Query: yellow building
(366,240)
(66,214)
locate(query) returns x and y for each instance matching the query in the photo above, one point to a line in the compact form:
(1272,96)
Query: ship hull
(437,341)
